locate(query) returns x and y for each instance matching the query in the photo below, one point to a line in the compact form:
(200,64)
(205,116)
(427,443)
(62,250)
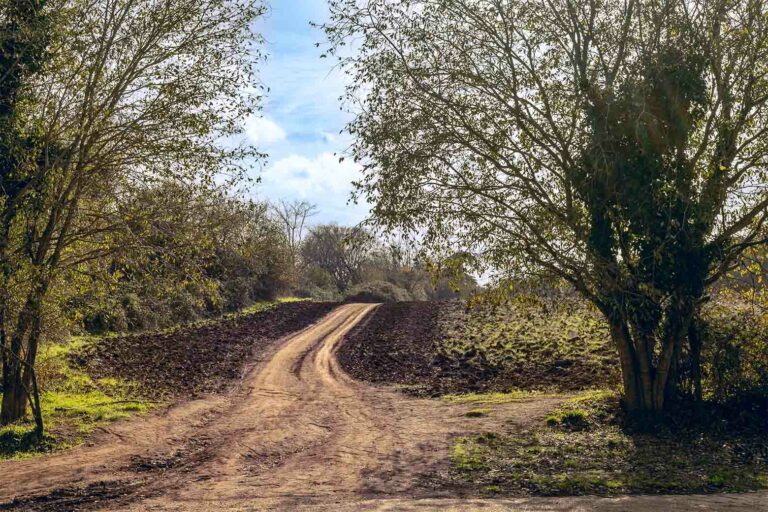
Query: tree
(134,92)
(338,250)
(619,145)
(399,260)
(252,259)
(294,215)
(24,38)
(190,252)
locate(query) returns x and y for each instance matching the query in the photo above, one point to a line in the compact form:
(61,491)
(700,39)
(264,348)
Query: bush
(318,294)
(576,419)
(736,352)
(377,291)
(318,284)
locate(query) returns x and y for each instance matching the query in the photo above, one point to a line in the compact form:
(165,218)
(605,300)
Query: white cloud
(322,174)
(330,138)
(323,180)
(264,131)
(302,126)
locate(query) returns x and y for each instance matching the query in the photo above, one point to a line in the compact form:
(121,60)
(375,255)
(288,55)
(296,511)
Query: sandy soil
(296,434)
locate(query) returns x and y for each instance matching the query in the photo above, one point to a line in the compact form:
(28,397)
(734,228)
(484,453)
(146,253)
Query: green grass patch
(479,413)
(493,398)
(73,404)
(576,413)
(466,456)
(582,447)
(576,419)
(293,299)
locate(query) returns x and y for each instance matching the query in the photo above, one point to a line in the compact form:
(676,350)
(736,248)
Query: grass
(73,404)
(479,413)
(467,456)
(558,344)
(587,446)
(493,398)
(583,447)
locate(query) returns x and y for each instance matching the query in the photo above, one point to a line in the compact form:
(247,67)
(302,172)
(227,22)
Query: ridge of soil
(198,359)
(396,344)
(407,343)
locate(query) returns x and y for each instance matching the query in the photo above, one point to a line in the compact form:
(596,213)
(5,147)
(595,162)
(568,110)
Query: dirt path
(297,434)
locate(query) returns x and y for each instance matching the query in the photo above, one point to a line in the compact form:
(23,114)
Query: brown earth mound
(439,347)
(395,344)
(196,359)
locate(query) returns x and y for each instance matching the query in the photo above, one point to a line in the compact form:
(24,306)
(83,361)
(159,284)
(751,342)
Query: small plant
(576,419)
(717,480)
(466,455)
(478,413)
(17,439)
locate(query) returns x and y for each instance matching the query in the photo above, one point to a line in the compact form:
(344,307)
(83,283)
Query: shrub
(377,291)
(736,352)
(575,419)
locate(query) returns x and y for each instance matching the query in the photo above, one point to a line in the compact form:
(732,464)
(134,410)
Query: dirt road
(296,434)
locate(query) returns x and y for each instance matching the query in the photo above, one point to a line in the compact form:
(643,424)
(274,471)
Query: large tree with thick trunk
(619,145)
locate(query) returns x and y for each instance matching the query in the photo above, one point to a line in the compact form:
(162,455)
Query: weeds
(585,447)
(494,398)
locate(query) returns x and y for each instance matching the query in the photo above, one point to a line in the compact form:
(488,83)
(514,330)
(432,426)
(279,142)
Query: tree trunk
(632,378)
(37,410)
(30,377)
(15,398)
(646,388)
(694,345)
(672,386)
(19,363)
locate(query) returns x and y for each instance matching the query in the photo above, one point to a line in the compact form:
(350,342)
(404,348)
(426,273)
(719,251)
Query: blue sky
(301,119)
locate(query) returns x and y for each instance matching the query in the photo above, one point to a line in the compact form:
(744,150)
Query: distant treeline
(204,254)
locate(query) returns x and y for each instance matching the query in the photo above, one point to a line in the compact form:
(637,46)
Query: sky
(301,120)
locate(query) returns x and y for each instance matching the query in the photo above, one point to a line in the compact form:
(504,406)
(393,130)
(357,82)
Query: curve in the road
(297,434)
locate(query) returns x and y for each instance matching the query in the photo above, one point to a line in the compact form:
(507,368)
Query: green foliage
(377,291)
(607,149)
(114,112)
(317,283)
(17,441)
(539,343)
(221,255)
(339,251)
(735,350)
(338,261)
